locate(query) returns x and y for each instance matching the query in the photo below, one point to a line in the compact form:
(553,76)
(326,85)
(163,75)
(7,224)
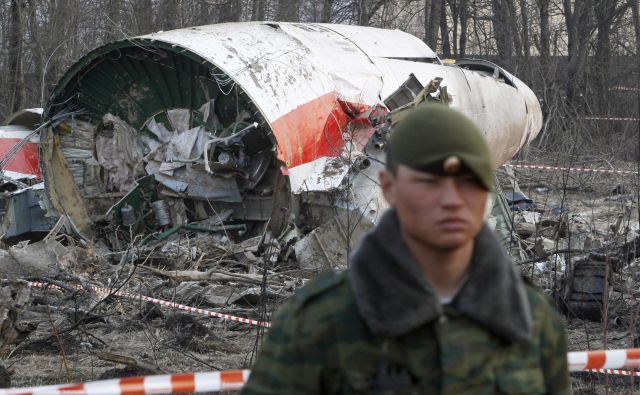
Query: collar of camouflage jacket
(394,297)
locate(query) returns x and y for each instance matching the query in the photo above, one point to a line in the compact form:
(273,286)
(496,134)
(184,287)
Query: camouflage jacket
(362,332)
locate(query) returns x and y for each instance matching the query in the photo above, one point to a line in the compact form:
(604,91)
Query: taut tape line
(228,380)
(603,359)
(165,303)
(576,169)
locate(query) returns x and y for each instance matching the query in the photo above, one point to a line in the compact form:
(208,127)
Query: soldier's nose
(451,196)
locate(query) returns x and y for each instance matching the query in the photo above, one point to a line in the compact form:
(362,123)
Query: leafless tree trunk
(502,30)
(231,11)
(635,14)
(15,46)
(427,8)
(327,8)
(603,14)
(513,27)
(143,14)
(257,10)
(167,14)
(444,33)
(578,21)
(435,8)
(204,13)
(35,45)
(545,35)
(289,10)
(526,44)
(453,7)
(463,9)
(367,9)
(112,17)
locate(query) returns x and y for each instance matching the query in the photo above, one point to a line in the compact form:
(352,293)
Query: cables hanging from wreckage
(13,151)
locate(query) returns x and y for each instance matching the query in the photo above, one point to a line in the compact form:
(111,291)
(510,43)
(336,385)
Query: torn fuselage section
(150,137)
(249,124)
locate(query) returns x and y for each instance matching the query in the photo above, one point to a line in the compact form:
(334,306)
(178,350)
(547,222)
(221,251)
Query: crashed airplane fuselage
(253,121)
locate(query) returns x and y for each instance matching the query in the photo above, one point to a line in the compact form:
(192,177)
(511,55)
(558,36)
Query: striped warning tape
(603,359)
(161,302)
(611,119)
(625,88)
(578,169)
(229,380)
(615,372)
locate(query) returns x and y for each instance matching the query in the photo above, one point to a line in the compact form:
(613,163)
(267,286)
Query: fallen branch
(209,275)
(129,361)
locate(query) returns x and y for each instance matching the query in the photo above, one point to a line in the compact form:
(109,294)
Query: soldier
(431,303)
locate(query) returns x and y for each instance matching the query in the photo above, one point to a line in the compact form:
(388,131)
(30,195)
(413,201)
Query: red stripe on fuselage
(25,161)
(313,130)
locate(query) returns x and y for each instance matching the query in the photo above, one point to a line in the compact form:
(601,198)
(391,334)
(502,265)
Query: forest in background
(580,56)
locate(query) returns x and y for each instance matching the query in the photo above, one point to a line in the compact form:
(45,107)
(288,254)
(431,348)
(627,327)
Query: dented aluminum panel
(217,114)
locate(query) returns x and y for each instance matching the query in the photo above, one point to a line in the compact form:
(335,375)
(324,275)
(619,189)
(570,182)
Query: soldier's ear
(388,186)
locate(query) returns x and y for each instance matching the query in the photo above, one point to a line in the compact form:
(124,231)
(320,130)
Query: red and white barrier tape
(166,303)
(611,119)
(578,169)
(624,88)
(607,361)
(615,372)
(603,359)
(229,380)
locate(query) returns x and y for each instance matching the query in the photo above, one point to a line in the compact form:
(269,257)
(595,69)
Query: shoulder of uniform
(316,288)
(536,295)
(326,295)
(542,305)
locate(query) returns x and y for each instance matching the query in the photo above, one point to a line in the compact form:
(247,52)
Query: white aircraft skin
(295,73)
(309,82)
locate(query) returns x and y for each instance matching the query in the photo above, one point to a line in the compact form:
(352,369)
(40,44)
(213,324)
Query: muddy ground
(75,334)
(586,215)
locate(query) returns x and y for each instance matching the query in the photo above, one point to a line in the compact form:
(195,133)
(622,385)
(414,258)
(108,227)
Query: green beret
(437,139)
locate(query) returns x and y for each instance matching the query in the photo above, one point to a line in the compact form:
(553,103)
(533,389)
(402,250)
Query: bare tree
(604,14)
(501,21)
(432,22)
(289,10)
(167,15)
(366,9)
(545,34)
(635,12)
(512,26)
(113,19)
(524,13)
(579,26)
(143,16)
(327,9)
(444,33)
(257,10)
(17,94)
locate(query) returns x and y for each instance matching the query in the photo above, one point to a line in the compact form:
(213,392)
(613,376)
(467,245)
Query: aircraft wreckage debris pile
(193,301)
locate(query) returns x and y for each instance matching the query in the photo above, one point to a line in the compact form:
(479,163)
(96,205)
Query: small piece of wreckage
(244,125)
